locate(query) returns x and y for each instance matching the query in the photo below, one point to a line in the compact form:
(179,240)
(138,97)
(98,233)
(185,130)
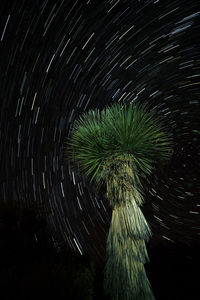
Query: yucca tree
(117,147)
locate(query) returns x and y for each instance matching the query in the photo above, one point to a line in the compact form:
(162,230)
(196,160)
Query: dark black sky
(60,58)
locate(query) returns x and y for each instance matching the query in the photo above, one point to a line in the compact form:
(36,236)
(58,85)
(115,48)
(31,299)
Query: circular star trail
(61,58)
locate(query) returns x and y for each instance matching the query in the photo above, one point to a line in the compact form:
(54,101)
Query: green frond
(129,131)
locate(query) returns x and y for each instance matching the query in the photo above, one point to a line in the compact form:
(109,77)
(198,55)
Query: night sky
(61,58)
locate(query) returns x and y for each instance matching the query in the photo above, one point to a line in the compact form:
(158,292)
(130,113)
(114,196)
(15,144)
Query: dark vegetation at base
(30,266)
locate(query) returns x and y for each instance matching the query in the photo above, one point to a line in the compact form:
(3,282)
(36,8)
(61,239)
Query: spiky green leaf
(129,131)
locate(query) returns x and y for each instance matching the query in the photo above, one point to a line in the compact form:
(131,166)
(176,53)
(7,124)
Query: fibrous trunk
(125,276)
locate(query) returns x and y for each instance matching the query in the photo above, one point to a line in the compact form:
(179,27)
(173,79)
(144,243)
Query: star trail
(61,58)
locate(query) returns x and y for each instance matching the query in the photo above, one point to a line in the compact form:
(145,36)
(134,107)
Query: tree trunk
(125,276)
